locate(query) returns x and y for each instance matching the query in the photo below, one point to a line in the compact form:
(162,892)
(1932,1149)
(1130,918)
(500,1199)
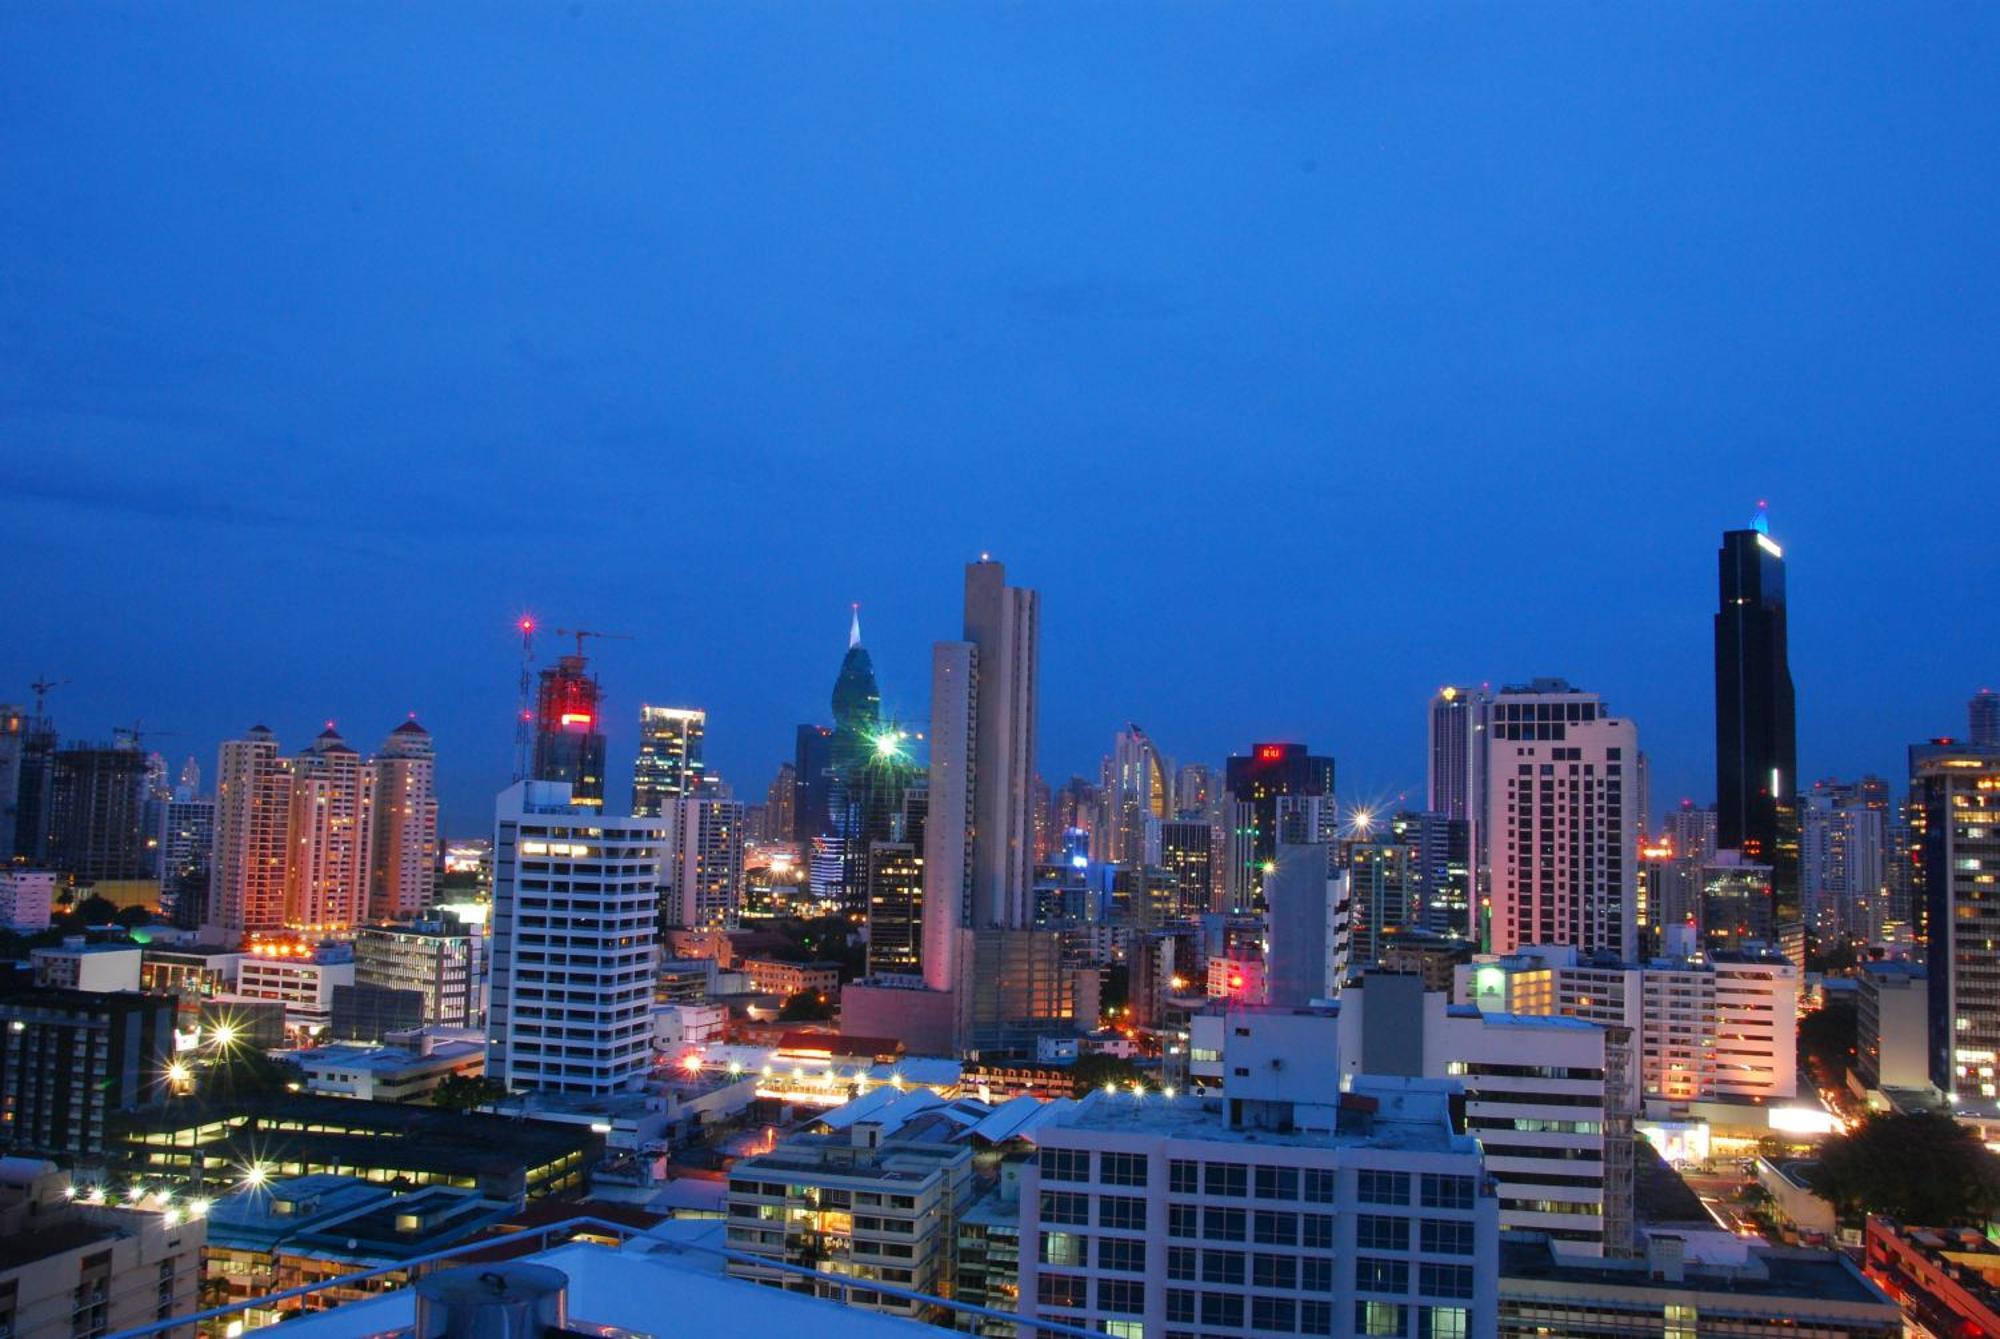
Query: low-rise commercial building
(1775,1292)
(441,959)
(70,1270)
(787,979)
(27,897)
(199,1147)
(388,1073)
(858,1205)
(76,965)
(1947,1278)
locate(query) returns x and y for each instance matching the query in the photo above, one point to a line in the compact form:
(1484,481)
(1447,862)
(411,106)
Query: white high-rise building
(1308,915)
(1562,821)
(575,942)
(979,837)
(331,836)
(1706,1026)
(253,799)
(704,869)
(403,873)
(1292,1206)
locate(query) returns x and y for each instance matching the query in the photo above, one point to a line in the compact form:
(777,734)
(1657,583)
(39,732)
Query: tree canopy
(1922,1168)
(460,1092)
(1099,1068)
(808,1006)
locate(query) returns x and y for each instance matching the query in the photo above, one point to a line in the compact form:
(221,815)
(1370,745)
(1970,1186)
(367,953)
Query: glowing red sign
(1270,752)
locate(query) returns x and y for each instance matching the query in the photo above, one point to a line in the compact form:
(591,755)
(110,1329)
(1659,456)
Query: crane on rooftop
(40,688)
(581,633)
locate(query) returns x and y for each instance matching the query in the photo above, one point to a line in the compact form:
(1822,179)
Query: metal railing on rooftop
(624,1233)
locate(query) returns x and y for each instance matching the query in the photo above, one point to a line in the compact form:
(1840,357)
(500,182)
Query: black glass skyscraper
(1756,742)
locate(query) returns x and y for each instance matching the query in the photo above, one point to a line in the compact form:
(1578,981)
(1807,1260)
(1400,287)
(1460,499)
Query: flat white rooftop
(648,1286)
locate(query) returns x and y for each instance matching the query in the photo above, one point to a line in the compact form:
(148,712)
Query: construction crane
(581,633)
(137,733)
(40,688)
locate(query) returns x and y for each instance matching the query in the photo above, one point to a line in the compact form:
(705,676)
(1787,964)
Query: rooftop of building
(662,1280)
(424,1220)
(1895,968)
(84,1001)
(95,946)
(354,1055)
(283,1123)
(282,1207)
(1413,1119)
(70,1230)
(1767,1272)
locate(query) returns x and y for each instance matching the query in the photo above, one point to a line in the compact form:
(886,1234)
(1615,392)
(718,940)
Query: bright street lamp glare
(889,744)
(224,1034)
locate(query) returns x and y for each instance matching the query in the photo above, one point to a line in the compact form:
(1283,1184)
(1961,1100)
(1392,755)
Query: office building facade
(1756,740)
(1561,814)
(402,879)
(1955,800)
(669,765)
(1276,792)
(575,934)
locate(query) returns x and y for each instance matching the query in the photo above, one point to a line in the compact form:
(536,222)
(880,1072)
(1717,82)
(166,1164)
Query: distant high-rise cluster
(323,840)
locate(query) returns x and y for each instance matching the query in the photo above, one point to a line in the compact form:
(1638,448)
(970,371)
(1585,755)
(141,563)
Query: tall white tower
(1562,821)
(575,942)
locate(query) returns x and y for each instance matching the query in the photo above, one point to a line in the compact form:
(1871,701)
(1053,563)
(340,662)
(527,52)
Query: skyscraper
(669,764)
(97,813)
(1983,719)
(1561,824)
(1756,744)
(1308,924)
(1141,793)
(813,806)
(253,800)
(1955,814)
(575,932)
(1278,792)
(978,858)
(1187,847)
(569,743)
(13,739)
(187,845)
(1456,778)
(703,888)
(780,804)
(402,879)
(331,836)
(1844,854)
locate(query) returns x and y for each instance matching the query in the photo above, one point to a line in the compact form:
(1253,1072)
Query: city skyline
(1228,377)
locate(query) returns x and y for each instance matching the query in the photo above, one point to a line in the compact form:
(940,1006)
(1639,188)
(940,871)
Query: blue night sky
(1304,357)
